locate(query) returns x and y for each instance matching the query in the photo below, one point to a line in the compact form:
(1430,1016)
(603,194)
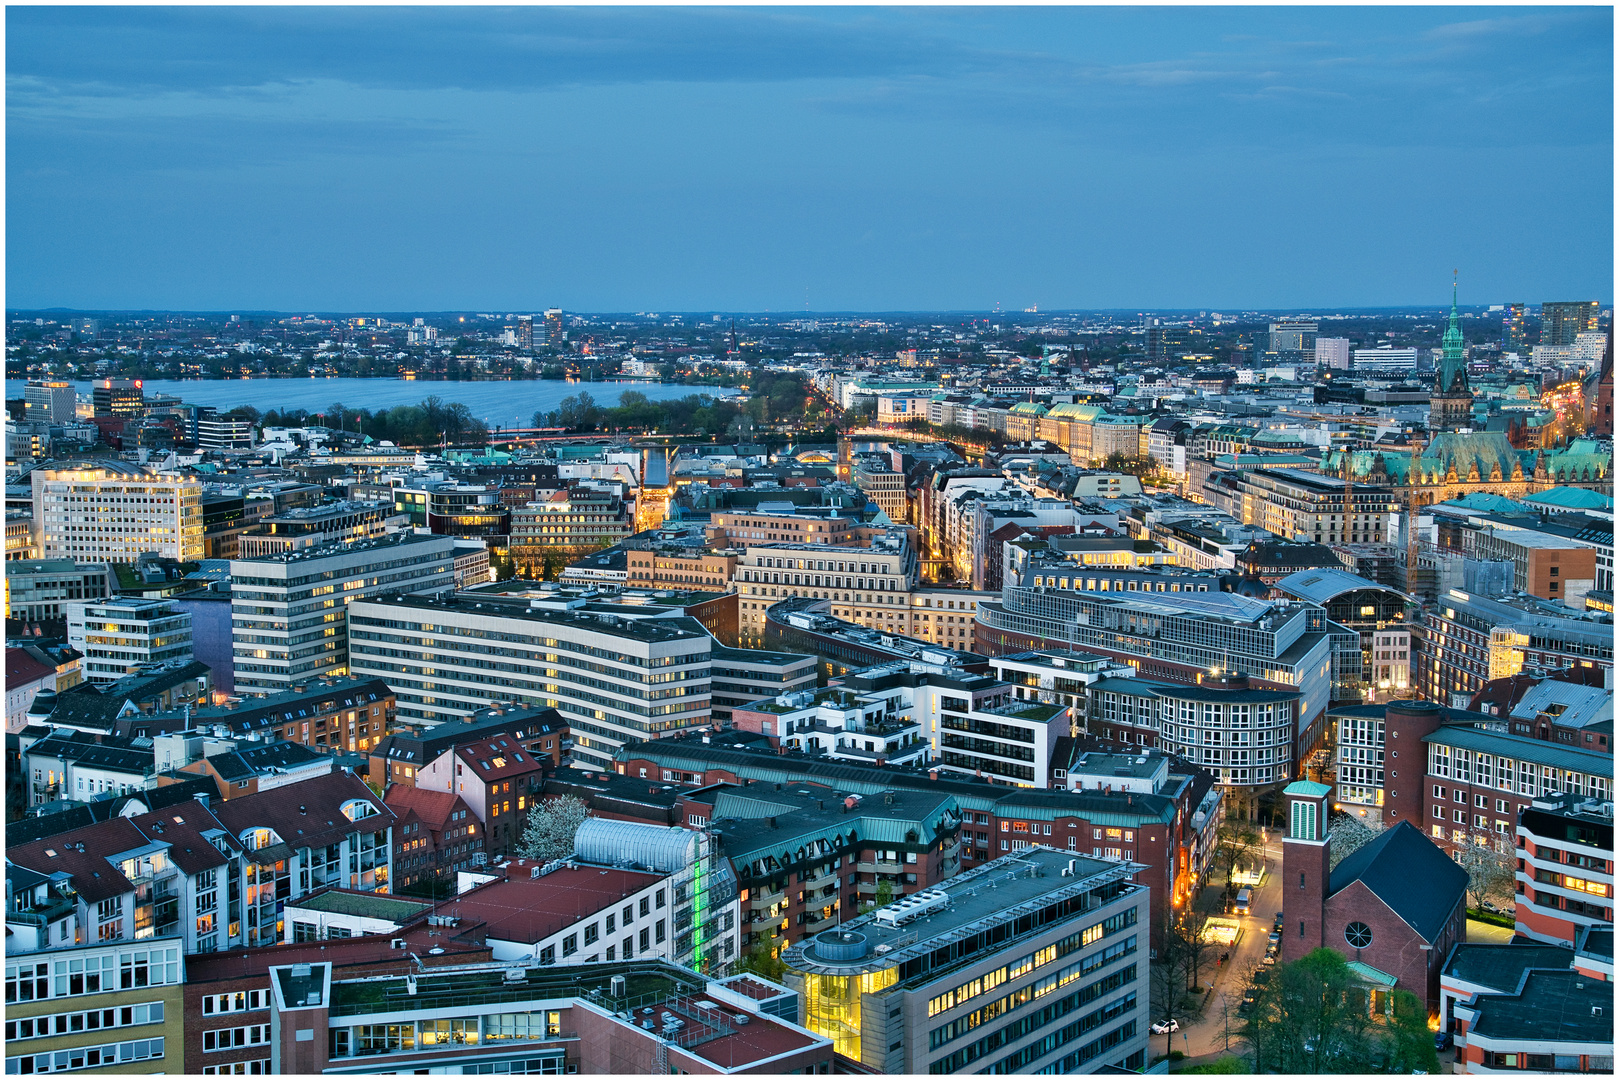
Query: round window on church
(1358,934)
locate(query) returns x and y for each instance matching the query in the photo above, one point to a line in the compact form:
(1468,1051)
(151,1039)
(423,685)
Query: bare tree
(1190,944)
(1234,841)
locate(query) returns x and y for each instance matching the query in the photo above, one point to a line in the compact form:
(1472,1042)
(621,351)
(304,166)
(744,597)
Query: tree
(552,826)
(1190,942)
(760,960)
(1349,834)
(1490,874)
(1315,1015)
(1166,985)
(1233,841)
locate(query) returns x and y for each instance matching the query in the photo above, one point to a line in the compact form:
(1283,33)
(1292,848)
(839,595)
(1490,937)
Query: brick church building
(1393,908)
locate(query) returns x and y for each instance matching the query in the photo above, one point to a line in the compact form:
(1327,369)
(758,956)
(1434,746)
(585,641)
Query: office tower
(1332,352)
(525,332)
(291,610)
(1293,335)
(51,400)
(615,678)
(118,397)
(553,327)
(112,511)
(118,636)
(1512,332)
(1562,322)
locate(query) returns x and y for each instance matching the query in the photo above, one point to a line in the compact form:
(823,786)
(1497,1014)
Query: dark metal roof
(1409,873)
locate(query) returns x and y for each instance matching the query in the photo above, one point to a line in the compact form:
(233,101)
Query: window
(570,944)
(1358,935)
(231,1038)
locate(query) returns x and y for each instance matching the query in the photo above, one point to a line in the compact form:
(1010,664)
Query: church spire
(1451,404)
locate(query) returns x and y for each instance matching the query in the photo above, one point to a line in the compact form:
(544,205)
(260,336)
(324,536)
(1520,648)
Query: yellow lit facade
(832,1005)
(116,513)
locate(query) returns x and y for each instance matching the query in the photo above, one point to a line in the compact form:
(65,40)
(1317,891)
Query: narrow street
(1206,1035)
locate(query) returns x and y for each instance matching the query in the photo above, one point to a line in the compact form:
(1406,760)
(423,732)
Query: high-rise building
(1512,328)
(1561,322)
(118,636)
(290,611)
(1293,335)
(554,335)
(111,511)
(525,332)
(1332,352)
(118,397)
(52,400)
(616,674)
(1450,406)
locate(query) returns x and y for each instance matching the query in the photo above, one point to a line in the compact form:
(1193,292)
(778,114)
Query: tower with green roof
(1450,406)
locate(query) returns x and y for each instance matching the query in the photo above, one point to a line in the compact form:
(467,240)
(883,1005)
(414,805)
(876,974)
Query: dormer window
(355,809)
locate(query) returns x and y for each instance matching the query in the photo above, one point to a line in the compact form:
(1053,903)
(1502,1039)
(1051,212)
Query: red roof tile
(22,668)
(531,909)
(432,807)
(308,813)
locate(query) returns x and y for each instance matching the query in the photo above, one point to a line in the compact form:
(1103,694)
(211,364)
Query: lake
(497,404)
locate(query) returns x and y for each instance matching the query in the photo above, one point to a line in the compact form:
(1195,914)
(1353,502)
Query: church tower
(1450,406)
(1306,867)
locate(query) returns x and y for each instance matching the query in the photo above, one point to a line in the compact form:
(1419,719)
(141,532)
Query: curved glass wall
(832,1005)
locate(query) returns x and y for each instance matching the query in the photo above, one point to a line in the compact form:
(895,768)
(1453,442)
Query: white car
(1166,1027)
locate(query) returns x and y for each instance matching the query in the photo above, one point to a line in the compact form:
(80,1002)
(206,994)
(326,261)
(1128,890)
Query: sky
(791,159)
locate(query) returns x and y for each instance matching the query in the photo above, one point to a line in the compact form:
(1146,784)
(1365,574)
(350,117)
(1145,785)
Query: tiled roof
(432,807)
(529,910)
(308,813)
(23,668)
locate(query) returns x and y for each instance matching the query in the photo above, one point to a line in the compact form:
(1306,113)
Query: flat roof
(396,909)
(644,629)
(997,892)
(1523,748)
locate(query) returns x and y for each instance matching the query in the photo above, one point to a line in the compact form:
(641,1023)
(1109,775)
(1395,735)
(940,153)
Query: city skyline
(829,160)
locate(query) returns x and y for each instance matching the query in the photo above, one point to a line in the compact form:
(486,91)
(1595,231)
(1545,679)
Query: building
(614,672)
(865,585)
(31,672)
(936,982)
(1393,907)
(479,1018)
(797,525)
(315,526)
(525,333)
(118,397)
(436,836)
(448,508)
(742,676)
(1293,335)
(1385,358)
(50,400)
(1298,505)
(1246,737)
(110,511)
(38,590)
(1332,353)
(1565,867)
(1137,618)
(676,566)
(224,431)
(1551,1021)
(554,334)
(20,537)
(330,715)
(1381,614)
(569,523)
(1450,406)
(1562,322)
(290,611)
(1513,337)
(398,759)
(1467,639)
(70,1011)
(874,476)
(119,636)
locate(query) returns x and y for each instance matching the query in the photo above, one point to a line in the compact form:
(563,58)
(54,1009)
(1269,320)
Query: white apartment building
(118,636)
(1332,352)
(615,675)
(51,400)
(289,611)
(112,511)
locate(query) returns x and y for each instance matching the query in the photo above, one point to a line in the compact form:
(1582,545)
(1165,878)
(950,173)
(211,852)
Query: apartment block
(289,612)
(866,585)
(615,673)
(673,566)
(786,525)
(1467,639)
(112,511)
(742,676)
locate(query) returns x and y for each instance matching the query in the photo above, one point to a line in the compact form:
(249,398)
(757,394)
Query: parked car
(1443,1040)
(1270,958)
(1279,920)
(1166,1027)
(1274,937)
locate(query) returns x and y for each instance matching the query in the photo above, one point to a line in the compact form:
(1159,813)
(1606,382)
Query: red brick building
(1397,905)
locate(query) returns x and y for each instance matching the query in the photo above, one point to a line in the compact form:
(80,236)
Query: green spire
(1452,342)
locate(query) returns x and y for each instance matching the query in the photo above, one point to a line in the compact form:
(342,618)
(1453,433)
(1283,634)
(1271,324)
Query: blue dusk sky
(752,159)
